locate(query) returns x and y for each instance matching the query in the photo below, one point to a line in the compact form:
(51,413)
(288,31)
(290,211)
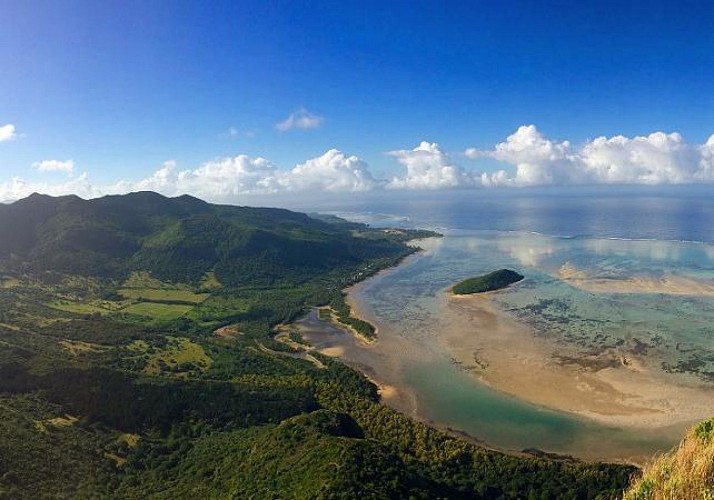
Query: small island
(495,280)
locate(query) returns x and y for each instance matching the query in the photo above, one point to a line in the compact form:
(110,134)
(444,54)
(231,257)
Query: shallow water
(676,330)
(407,304)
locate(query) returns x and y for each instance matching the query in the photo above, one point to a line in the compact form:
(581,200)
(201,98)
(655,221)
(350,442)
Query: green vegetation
(683,474)
(495,280)
(138,359)
(157,310)
(179,355)
(340,313)
(144,288)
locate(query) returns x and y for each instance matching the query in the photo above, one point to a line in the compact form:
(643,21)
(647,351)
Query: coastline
(367,356)
(620,393)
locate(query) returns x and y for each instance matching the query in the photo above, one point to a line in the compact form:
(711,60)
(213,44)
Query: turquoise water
(676,331)
(451,397)
(576,228)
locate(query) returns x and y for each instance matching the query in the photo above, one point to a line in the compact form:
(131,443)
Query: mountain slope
(177,239)
(685,473)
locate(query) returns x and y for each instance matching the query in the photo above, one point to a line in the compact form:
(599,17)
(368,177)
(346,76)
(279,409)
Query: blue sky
(120,88)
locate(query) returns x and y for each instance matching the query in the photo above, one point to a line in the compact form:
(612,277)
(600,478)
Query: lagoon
(547,363)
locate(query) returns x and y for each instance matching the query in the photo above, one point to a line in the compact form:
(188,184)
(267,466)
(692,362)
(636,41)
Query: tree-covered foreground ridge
(140,358)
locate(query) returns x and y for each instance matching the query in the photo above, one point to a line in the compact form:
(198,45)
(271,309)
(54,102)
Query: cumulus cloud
(225,178)
(428,167)
(17,188)
(301,119)
(217,179)
(7,132)
(706,163)
(657,158)
(66,166)
(535,159)
(333,171)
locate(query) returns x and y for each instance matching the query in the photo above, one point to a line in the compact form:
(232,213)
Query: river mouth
(566,380)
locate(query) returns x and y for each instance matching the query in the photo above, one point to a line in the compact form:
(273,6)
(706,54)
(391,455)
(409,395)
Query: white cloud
(217,179)
(17,188)
(224,178)
(7,132)
(428,167)
(658,158)
(235,133)
(66,166)
(221,179)
(538,160)
(163,180)
(333,171)
(706,163)
(302,119)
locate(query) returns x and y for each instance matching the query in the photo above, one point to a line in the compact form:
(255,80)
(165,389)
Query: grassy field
(77,307)
(162,311)
(9,282)
(142,286)
(685,473)
(179,355)
(78,347)
(163,295)
(210,282)
(158,311)
(142,279)
(140,296)
(138,346)
(88,306)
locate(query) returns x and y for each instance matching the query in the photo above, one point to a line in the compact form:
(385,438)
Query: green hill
(138,359)
(495,280)
(177,239)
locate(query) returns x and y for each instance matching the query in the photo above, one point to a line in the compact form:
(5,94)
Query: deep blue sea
(681,213)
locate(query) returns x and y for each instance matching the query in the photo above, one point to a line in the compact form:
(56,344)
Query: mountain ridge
(150,232)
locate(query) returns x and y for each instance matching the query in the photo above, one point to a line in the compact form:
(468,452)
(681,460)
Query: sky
(224,100)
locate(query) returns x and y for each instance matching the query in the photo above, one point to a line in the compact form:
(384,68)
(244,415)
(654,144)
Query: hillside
(138,358)
(685,473)
(177,239)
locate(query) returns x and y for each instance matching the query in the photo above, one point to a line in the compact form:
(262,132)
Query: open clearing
(180,354)
(157,310)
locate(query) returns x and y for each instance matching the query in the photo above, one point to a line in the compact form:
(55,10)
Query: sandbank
(615,388)
(672,285)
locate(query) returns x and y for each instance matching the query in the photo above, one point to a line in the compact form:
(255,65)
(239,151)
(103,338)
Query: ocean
(676,213)
(623,277)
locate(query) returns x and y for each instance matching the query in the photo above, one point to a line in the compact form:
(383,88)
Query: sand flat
(618,389)
(671,284)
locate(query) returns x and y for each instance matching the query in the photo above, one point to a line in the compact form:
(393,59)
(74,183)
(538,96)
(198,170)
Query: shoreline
(354,307)
(503,354)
